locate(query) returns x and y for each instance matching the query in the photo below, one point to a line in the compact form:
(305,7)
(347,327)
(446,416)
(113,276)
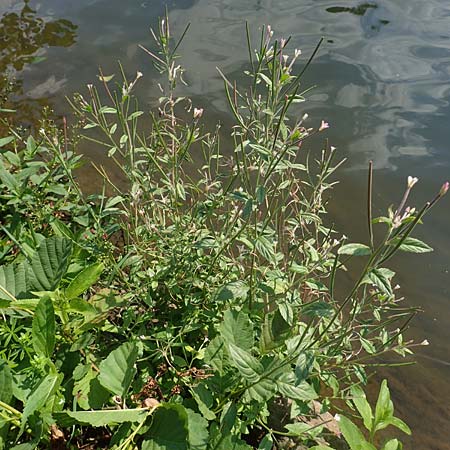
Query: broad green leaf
(176,428)
(249,367)
(90,394)
(236,290)
(392,444)
(49,263)
(362,405)
(320,447)
(118,369)
(84,280)
(354,250)
(353,436)
(198,431)
(40,396)
(412,245)
(100,418)
(6,382)
(237,329)
(288,388)
(44,327)
(13,281)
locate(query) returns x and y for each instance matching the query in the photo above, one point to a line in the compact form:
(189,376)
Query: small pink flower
(198,112)
(444,188)
(324,125)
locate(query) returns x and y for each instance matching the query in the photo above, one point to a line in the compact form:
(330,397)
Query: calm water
(383,80)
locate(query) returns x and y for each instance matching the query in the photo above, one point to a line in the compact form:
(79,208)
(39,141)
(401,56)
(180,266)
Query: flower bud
(444,188)
(412,181)
(324,125)
(198,112)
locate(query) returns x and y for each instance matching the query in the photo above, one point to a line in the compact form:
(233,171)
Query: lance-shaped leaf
(43,327)
(100,418)
(40,396)
(84,280)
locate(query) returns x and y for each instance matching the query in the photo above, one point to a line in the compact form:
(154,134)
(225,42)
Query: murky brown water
(383,80)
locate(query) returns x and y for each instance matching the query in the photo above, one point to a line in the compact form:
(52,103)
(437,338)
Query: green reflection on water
(24,36)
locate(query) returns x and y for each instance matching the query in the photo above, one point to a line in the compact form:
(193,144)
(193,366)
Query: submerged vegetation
(200,305)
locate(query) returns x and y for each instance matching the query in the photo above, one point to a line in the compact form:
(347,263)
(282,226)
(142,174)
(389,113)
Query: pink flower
(444,188)
(324,125)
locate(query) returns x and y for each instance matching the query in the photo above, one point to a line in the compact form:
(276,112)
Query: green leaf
(288,388)
(198,431)
(204,400)
(362,405)
(266,443)
(84,280)
(40,396)
(353,436)
(100,418)
(61,229)
(237,329)
(6,140)
(260,194)
(50,263)
(382,279)
(218,441)
(392,444)
(89,392)
(318,309)
(228,418)
(398,423)
(215,354)
(176,428)
(275,330)
(412,245)
(44,327)
(297,428)
(6,382)
(303,366)
(117,370)
(9,180)
(355,250)
(236,290)
(13,281)
(384,409)
(249,367)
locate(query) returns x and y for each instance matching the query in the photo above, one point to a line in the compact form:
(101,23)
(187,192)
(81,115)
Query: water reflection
(25,36)
(382,84)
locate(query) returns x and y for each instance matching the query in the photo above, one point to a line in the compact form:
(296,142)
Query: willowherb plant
(221,303)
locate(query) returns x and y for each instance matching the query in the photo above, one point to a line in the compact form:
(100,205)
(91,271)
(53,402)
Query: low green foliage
(185,308)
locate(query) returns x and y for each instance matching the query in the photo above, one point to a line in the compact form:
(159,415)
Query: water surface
(383,84)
